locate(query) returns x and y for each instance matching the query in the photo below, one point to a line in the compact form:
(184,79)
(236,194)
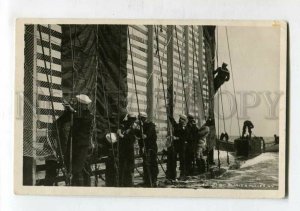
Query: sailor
(203,132)
(63,125)
(221,74)
(190,153)
(211,141)
(276,139)
(127,138)
(224,137)
(247,125)
(82,141)
(178,147)
(148,150)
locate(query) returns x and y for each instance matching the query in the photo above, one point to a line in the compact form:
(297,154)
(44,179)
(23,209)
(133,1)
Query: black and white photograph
(151,108)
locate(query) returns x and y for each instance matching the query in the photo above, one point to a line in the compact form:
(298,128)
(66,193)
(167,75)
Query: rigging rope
(183,86)
(107,112)
(198,68)
(227,155)
(181,71)
(166,45)
(163,86)
(95,114)
(138,106)
(119,85)
(233,81)
(217,57)
(222,105)
(72,115)
(194,86)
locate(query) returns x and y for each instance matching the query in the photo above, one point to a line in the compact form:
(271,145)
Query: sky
(255,53)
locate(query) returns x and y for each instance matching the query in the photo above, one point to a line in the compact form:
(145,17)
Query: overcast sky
(255,64)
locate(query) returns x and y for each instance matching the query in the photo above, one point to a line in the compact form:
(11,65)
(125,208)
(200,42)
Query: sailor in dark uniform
(221,74)
(177,147)
(203,132)
(63,126)
(247,125)
(148,149)
(81,132)
(210,141)
(127,138)
(276,139)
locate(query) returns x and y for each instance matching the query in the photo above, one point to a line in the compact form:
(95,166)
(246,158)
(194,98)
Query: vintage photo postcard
(155,108)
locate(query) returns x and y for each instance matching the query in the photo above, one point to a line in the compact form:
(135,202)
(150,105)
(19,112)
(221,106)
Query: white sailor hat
(182,116)
(84,99)
(111,137)
(131,116)
(190,116)
(143,114)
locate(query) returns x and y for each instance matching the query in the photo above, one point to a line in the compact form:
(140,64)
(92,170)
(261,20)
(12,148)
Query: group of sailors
(188,144)
(74,128)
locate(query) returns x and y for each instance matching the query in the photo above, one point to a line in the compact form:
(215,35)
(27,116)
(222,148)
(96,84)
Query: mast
(209,40)
(150,76)
(199,61)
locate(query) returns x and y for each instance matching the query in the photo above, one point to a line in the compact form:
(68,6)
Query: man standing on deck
(190,152)
(211,141)
(126,134)
(148,150)
(178,147)
(63,126)
(247,125)
(202,134)
(221,74)
(82,136)
(81,142)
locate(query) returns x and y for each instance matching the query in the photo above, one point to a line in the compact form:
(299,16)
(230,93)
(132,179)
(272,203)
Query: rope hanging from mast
(217,57)
(72,97)
(198,67)
(194,86)
(119,85)
(96,153)
(237,113)
(138,106)
(220,96)
(181,71)
(107,112)
(164,93)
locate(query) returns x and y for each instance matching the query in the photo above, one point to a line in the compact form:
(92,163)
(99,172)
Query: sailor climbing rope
(221,75)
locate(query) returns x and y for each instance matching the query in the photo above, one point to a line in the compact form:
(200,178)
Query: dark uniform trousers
(150,165)
(51,164)
(178,148)
(120,167)
(126,156)
(82,129)
(126,164)
(150,168)
(171,162)
(190,149)
(80,149)
(80,167)
(111,165)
